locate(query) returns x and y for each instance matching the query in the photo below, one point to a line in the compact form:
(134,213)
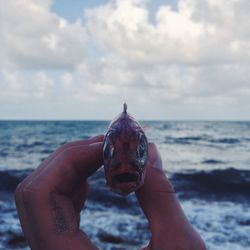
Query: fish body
(125,153)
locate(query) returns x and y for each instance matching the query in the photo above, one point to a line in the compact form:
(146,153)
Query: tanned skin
(49,202)
(169,226)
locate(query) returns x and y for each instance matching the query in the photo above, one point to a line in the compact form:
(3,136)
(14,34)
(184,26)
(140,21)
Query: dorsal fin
(125,107)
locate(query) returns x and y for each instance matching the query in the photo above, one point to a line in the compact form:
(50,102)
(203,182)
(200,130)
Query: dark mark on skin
(61,225)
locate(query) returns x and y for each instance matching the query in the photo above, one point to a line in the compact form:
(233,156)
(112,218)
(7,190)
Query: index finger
(67,169)
(37,171)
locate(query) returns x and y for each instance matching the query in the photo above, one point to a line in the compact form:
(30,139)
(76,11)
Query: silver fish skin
(125,153)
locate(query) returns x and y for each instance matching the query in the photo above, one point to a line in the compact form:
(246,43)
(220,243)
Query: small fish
(125,153)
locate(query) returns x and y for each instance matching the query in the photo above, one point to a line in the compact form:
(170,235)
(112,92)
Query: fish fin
(125,107)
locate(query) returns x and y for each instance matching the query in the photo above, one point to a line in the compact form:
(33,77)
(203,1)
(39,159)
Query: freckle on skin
(61,225)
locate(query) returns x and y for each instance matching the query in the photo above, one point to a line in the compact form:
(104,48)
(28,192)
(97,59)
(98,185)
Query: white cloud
(17,86)
(198,32)
(34,37)
(197,55)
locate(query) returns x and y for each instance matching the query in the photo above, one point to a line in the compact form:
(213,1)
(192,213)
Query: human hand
(49,201)
(155,185)
(169,226)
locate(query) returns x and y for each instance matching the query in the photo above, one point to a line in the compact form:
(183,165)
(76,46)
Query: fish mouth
(125,182)
(125,178)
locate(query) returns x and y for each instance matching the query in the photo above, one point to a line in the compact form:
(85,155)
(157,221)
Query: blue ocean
(207,162)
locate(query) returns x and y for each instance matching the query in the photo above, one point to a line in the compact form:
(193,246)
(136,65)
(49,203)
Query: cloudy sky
(186,59)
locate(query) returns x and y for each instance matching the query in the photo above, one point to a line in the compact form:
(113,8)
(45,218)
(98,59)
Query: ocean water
(207,162)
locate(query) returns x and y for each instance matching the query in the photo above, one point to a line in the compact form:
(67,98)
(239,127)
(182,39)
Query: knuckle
(19,188)
(18,192)
(25,193)
(28,192)
(31,196)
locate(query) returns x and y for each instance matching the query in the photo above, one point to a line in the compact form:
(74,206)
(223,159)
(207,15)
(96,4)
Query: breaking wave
(225,183)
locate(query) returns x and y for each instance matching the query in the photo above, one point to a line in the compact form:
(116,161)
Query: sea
(208,163)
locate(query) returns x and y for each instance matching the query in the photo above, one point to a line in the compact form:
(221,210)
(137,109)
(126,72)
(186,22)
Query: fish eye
(106,149)
(112,150)
(142,148)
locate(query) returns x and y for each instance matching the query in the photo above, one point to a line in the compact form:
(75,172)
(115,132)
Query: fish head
(125,153)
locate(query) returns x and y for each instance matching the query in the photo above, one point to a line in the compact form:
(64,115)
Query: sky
(168,60)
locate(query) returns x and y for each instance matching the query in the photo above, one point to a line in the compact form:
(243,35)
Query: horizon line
(107,120)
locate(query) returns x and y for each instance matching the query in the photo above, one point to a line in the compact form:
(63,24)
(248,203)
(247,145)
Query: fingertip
(154,156)
(152,147)
(151,144)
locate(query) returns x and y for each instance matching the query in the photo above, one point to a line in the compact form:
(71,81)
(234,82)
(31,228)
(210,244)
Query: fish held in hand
(125,153)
